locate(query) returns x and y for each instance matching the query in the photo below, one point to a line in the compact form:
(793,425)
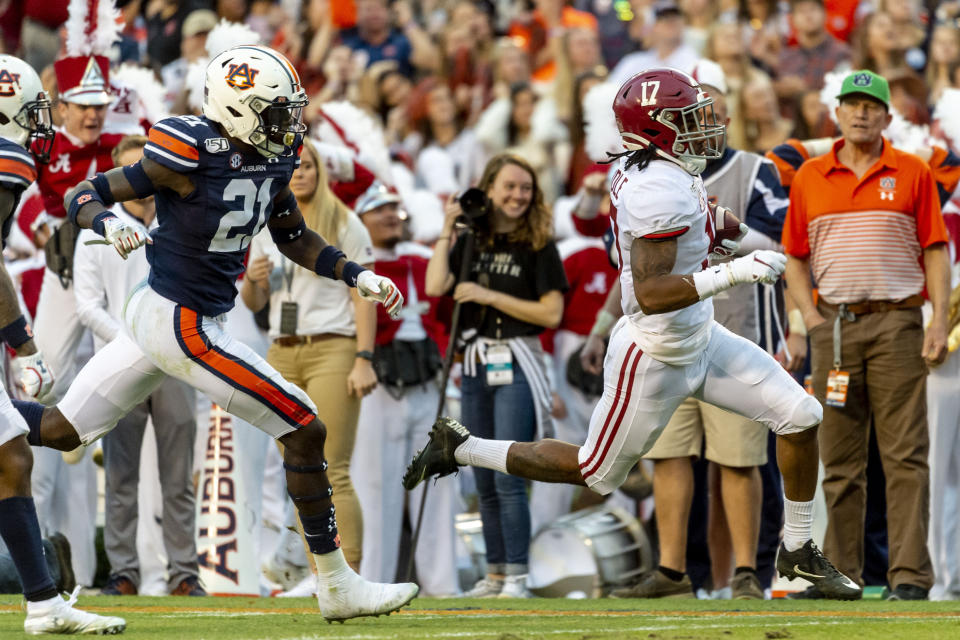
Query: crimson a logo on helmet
(241,76)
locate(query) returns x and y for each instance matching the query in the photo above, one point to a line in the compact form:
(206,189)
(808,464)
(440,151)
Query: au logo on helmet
(7,80)
(241,76)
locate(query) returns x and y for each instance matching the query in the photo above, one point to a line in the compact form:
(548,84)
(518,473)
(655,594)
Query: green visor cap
(868,83)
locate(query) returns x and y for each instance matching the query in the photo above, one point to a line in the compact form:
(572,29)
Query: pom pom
(947,113)
(92,27)
(227,35)
(343,124)
(602,134)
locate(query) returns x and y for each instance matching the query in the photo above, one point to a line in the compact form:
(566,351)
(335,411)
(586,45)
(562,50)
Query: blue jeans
(504,412)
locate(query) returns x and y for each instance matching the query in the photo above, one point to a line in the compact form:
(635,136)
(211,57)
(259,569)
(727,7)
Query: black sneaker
(60,547)
(436,459)
(908,592)
(809,563)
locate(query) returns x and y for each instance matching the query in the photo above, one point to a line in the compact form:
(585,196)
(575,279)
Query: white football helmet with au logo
(255,93)
(24,107)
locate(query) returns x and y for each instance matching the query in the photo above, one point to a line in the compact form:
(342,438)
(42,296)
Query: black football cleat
(436,459)
(809,563)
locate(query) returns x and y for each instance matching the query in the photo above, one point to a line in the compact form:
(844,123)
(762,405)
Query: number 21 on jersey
(238,227)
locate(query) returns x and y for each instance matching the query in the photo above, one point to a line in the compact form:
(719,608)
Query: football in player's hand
(727,230)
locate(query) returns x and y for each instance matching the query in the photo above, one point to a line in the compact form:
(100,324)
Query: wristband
(351,271)
(16,333)
(601,326)
(285,236)
(796,324)
(366,355)
(79,199)
(327,260)
(98,220)
(102,186)
(713,280)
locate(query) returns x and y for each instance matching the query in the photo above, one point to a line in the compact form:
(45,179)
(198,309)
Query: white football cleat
(58,616)
(306,588)
(344,595)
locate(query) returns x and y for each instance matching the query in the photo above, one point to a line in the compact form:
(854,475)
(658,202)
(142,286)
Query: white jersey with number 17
(664,201)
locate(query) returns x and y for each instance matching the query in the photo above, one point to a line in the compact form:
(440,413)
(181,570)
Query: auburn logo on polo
(7,80)
(241,76)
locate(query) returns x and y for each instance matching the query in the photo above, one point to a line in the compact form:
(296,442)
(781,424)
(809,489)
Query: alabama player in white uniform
(667,347)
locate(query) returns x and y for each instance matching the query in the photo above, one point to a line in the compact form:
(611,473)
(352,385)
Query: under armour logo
(886,195)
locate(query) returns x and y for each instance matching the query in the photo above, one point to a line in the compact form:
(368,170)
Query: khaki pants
(881,352)
(321,369)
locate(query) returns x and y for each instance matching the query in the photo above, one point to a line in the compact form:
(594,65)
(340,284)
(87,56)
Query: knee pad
(806,414)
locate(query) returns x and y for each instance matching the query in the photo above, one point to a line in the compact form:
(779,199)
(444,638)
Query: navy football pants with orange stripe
(166,339)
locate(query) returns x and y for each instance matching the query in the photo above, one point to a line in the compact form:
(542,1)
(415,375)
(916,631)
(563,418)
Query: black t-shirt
(511,268)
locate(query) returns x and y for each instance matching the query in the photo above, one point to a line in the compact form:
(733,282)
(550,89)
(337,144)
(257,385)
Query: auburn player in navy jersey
(25,118)
(217,181)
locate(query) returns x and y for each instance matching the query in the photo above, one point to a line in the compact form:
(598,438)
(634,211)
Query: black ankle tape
(316,498)
(314,468)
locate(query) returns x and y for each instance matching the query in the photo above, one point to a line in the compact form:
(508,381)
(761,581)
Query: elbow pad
(285,236)
(285,208)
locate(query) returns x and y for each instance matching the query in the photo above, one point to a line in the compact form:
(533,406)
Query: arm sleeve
(930,226)
(89,291)
(550,274)
(767,208)
(171,143)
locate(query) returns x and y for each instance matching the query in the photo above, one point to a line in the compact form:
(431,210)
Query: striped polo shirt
(864,236)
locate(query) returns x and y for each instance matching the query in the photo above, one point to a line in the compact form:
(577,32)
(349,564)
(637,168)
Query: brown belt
(879,306)
(296,341)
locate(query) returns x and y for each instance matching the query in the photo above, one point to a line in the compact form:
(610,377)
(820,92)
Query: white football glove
(376,288)
(124,237)
(35,378)
(759,266)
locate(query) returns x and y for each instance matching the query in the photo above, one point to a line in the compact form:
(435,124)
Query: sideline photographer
(514,291)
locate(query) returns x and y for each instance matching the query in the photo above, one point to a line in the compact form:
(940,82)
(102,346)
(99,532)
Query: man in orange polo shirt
(865,221)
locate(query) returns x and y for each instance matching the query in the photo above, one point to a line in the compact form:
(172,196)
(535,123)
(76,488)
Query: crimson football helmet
(667,109)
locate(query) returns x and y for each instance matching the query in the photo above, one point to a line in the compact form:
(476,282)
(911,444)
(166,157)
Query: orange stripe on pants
(243,378)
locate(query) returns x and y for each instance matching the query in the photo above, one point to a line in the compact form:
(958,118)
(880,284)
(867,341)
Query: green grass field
(298,619)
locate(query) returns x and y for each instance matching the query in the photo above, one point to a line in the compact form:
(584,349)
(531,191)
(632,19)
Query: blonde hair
(126,143)
(323,212)
(536,226)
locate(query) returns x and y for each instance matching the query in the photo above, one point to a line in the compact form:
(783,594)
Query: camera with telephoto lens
(476,207)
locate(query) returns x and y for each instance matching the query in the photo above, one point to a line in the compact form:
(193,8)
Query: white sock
(44,605)
(480,452)
(797,523)
(331,563)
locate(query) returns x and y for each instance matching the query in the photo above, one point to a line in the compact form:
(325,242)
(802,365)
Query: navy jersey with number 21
(200,243)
